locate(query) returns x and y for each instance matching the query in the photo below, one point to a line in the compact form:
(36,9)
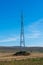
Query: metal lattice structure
(22,38)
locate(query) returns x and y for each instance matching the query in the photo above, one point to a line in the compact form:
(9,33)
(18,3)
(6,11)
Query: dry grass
(9,59)
(9,56)
(30,61)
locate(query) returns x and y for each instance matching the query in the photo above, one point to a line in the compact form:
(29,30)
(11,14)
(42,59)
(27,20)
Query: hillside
(17,48)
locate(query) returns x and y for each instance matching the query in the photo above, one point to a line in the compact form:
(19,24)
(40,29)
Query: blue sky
(10,17)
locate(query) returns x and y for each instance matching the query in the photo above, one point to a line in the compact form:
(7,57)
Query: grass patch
(31,61)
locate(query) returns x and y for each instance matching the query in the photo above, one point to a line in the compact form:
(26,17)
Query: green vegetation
(31,61)
(22,53)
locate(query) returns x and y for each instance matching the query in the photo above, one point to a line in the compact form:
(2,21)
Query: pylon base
(22,53)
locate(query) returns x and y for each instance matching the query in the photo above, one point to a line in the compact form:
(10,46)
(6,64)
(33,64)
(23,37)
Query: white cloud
(35,30)
(35,35)
(36,25)
(8,40)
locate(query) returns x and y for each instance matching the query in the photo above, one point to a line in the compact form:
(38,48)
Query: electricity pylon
(22,38)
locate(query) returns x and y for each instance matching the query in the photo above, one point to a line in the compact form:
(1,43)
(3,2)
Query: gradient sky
(10,19)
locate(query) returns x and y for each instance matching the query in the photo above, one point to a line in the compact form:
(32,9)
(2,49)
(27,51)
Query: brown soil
(9,56)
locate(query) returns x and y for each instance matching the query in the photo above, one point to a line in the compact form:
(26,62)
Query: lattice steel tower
(22,38)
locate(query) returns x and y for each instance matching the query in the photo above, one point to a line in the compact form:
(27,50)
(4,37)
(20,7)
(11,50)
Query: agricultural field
(7,57)
(30,61)
(11,56)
